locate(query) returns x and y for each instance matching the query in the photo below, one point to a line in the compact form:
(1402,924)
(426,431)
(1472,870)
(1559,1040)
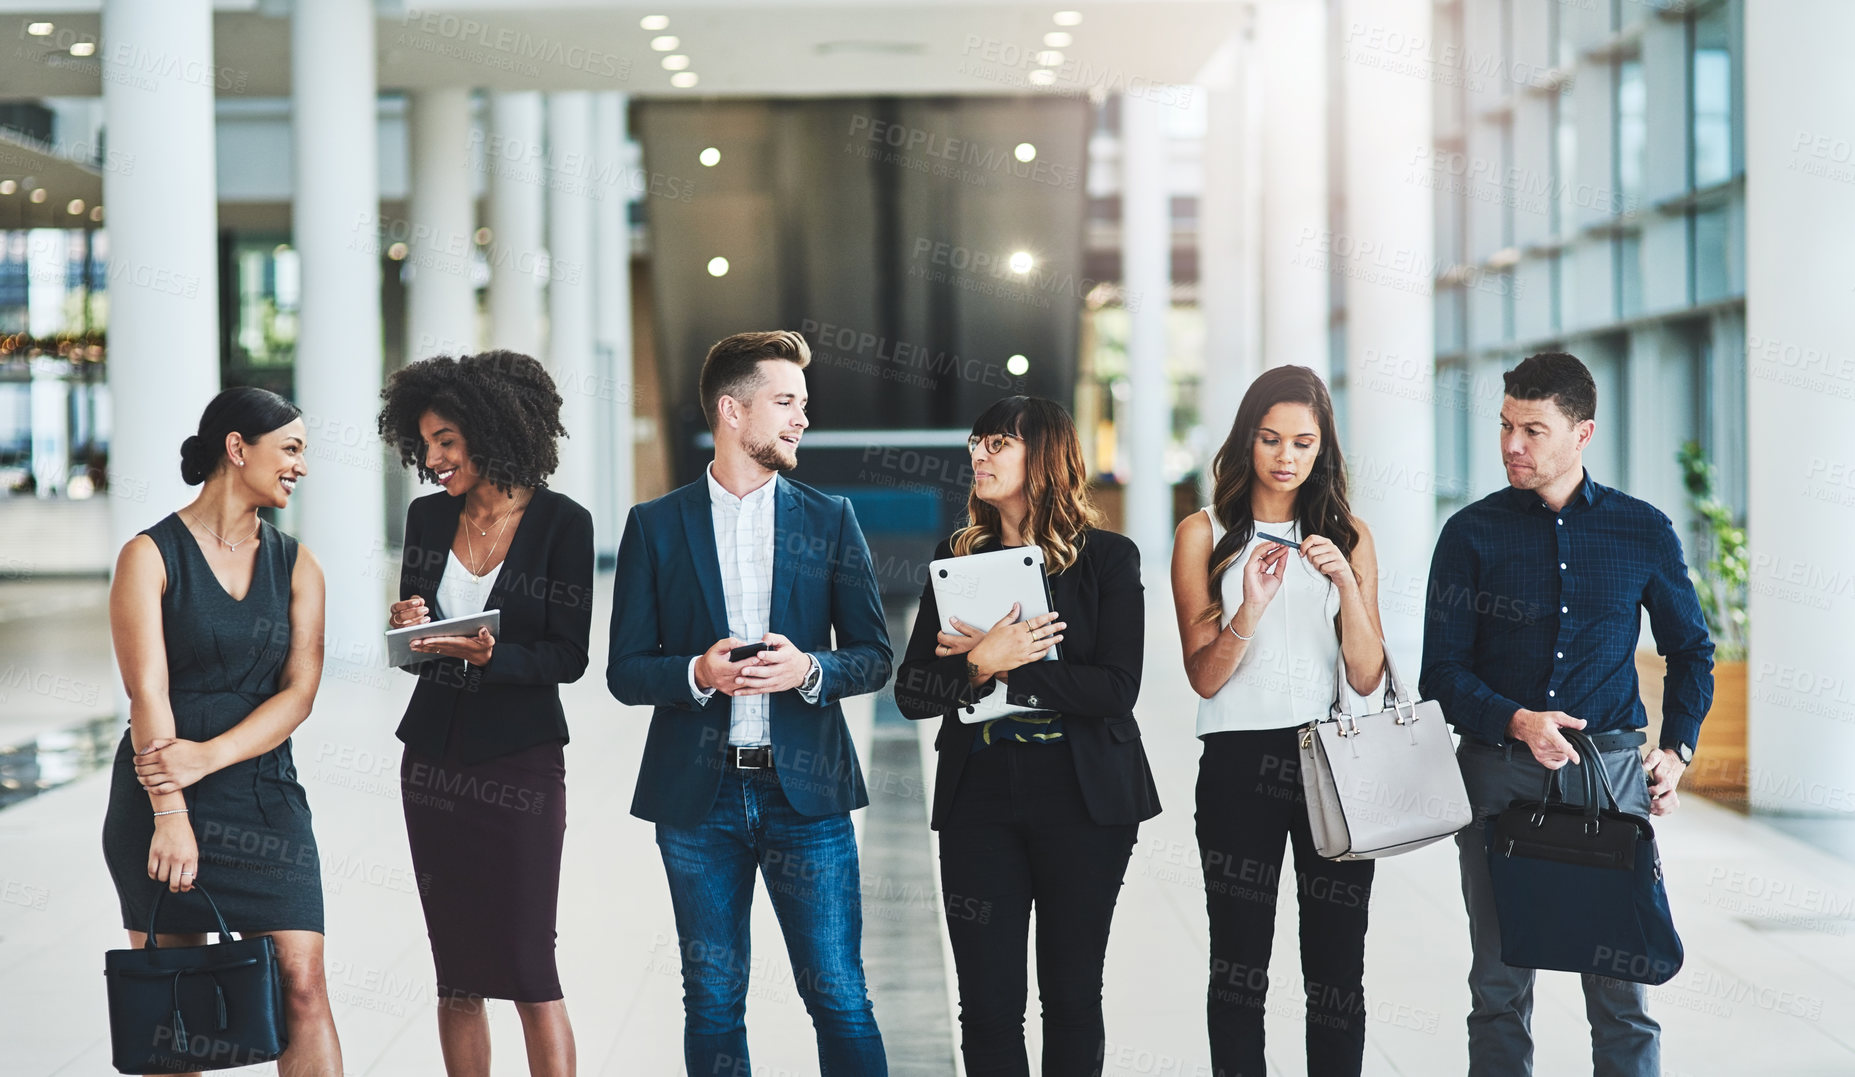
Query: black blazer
(1094,686)
(545,593)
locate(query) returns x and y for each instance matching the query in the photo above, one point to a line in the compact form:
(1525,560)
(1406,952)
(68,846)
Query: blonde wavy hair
(1055,483)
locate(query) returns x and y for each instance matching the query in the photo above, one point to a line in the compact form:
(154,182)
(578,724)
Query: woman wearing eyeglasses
(1263,623)
(1036,809)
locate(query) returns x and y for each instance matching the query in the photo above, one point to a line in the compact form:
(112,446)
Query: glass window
(269,291)
(1565,162)
(1629,275)
(1453,405)
(1712,254)
(1712,99)
(1632,132)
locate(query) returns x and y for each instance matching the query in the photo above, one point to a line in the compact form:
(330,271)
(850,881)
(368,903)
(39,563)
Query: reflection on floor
(55,757)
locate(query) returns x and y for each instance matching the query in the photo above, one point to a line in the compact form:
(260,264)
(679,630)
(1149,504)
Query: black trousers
(1018,834)
(1249,800)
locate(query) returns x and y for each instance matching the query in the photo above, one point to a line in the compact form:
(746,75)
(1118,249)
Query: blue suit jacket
(668,607)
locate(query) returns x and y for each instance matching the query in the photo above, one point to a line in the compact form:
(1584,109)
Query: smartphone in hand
(747,650)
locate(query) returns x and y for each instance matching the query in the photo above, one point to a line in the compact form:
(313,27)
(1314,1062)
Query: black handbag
(189,1008)
(1579,888)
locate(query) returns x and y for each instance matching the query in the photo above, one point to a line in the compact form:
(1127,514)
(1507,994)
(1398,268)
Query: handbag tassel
(180,1027)
(219,995)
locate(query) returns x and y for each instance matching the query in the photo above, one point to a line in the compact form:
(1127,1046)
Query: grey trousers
(1624,1038)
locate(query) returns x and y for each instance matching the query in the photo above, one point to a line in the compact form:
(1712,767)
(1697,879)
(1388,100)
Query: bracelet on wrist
(171,811)
(1239,635)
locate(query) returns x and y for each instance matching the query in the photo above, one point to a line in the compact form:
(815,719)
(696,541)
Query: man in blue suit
(749,765)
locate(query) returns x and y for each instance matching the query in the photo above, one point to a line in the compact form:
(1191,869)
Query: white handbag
(1384,783)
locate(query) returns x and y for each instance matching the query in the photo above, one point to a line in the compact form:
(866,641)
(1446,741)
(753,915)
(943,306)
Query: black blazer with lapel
(668,607)
(545,593)
(1093,686)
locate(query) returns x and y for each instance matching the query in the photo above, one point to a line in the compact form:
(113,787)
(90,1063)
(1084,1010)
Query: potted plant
(1720,578)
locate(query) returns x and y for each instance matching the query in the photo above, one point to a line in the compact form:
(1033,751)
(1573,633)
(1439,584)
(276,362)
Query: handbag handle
(1395,691)
(225,931)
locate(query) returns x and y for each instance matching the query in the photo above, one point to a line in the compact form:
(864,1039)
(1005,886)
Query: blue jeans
(810,866)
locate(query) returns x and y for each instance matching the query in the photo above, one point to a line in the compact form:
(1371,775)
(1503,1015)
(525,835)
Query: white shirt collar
(719,495)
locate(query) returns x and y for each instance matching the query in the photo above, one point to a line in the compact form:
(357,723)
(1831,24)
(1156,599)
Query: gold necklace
(485,531)
(491,552)
(233,546)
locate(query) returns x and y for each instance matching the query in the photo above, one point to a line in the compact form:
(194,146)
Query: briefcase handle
(225,932)
(1592,774)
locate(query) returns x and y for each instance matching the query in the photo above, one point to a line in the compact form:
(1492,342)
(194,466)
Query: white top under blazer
(1286,676)
(461,594)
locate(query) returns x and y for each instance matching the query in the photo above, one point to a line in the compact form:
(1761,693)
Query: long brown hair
(1055,483)
(1320,501)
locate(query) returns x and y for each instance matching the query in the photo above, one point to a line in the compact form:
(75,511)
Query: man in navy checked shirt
(1531,622)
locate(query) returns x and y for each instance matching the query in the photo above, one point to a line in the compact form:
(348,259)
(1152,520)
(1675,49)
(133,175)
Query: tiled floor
(1769,987)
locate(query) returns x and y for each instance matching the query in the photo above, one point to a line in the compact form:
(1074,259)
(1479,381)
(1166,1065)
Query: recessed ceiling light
(1025,152)
(683,80)
(96,213)
(8,186)
(676,61)
(74,207)
(1022,262)
(654,22)
(37,195)
(1057,39)
(1050,58)
(718,266)
(84,48)
(397,252)
(665,43)
(1043,76)
(484,236)
(1067,18)
(1017,366)
(39,29)
(709,157)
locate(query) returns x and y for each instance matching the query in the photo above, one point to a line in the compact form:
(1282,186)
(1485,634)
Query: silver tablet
(980,588)
(399,650)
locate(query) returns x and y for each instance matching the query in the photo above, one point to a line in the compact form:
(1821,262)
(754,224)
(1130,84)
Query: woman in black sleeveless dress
(216,618)
(483,777)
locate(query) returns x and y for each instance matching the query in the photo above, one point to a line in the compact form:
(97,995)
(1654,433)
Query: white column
(1292,55)
(163,237)
(50,404)
(1390,435)
(1146,277)
(1228,278)
(441,301)
(338,348)
(513,158)
(1800,395)
(570,288)
(613,280)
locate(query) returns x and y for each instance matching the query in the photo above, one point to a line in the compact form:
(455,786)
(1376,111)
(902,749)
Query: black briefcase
(188,1008)
(1579,887)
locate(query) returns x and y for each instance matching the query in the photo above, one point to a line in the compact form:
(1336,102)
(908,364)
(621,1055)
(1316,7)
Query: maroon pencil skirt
(486,841)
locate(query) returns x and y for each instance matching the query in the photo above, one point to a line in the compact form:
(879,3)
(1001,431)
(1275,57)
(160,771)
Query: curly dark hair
(503,402)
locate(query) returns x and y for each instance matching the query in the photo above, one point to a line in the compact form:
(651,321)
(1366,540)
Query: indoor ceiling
(748,48)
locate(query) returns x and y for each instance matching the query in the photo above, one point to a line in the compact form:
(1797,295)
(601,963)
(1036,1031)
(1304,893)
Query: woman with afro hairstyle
(483,777)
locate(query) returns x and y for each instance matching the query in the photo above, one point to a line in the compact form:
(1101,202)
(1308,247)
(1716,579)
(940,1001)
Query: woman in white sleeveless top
(1261,623)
